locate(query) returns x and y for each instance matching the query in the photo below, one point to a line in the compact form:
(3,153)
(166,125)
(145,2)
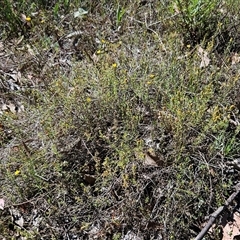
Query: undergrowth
(142,78)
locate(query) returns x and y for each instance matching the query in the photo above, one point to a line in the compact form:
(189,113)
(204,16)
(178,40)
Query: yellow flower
(17,172)
(103,41)
(28,19)
(99,51)
(232,107)
(114,65)
(89,99)
(151,75)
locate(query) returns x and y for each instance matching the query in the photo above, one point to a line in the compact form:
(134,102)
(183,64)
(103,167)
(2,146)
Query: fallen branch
(214,215)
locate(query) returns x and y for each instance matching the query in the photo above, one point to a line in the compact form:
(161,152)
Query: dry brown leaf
(1,203)
(90,179)
(232,229)
(235,58)
(9,107)
(12,107)
(17,218)
(212,172)
(30,50)
(151,160)
(229,229)
(23,17)
(204,57)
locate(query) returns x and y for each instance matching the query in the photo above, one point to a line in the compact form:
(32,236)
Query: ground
(118,120)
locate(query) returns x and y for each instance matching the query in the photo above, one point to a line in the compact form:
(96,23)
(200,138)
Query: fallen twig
(214,215)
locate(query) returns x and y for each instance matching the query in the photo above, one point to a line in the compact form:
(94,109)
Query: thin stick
(214,215)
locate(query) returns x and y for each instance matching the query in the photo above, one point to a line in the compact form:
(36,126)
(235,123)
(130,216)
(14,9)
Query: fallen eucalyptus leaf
(80,13)
(204,57)
(151,160)
(1,203)
(17,218)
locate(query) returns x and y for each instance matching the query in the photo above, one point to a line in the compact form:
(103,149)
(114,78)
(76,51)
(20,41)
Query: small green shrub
(10,16)
(196,19)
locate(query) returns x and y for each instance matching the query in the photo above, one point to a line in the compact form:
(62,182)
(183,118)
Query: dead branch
(214,215)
